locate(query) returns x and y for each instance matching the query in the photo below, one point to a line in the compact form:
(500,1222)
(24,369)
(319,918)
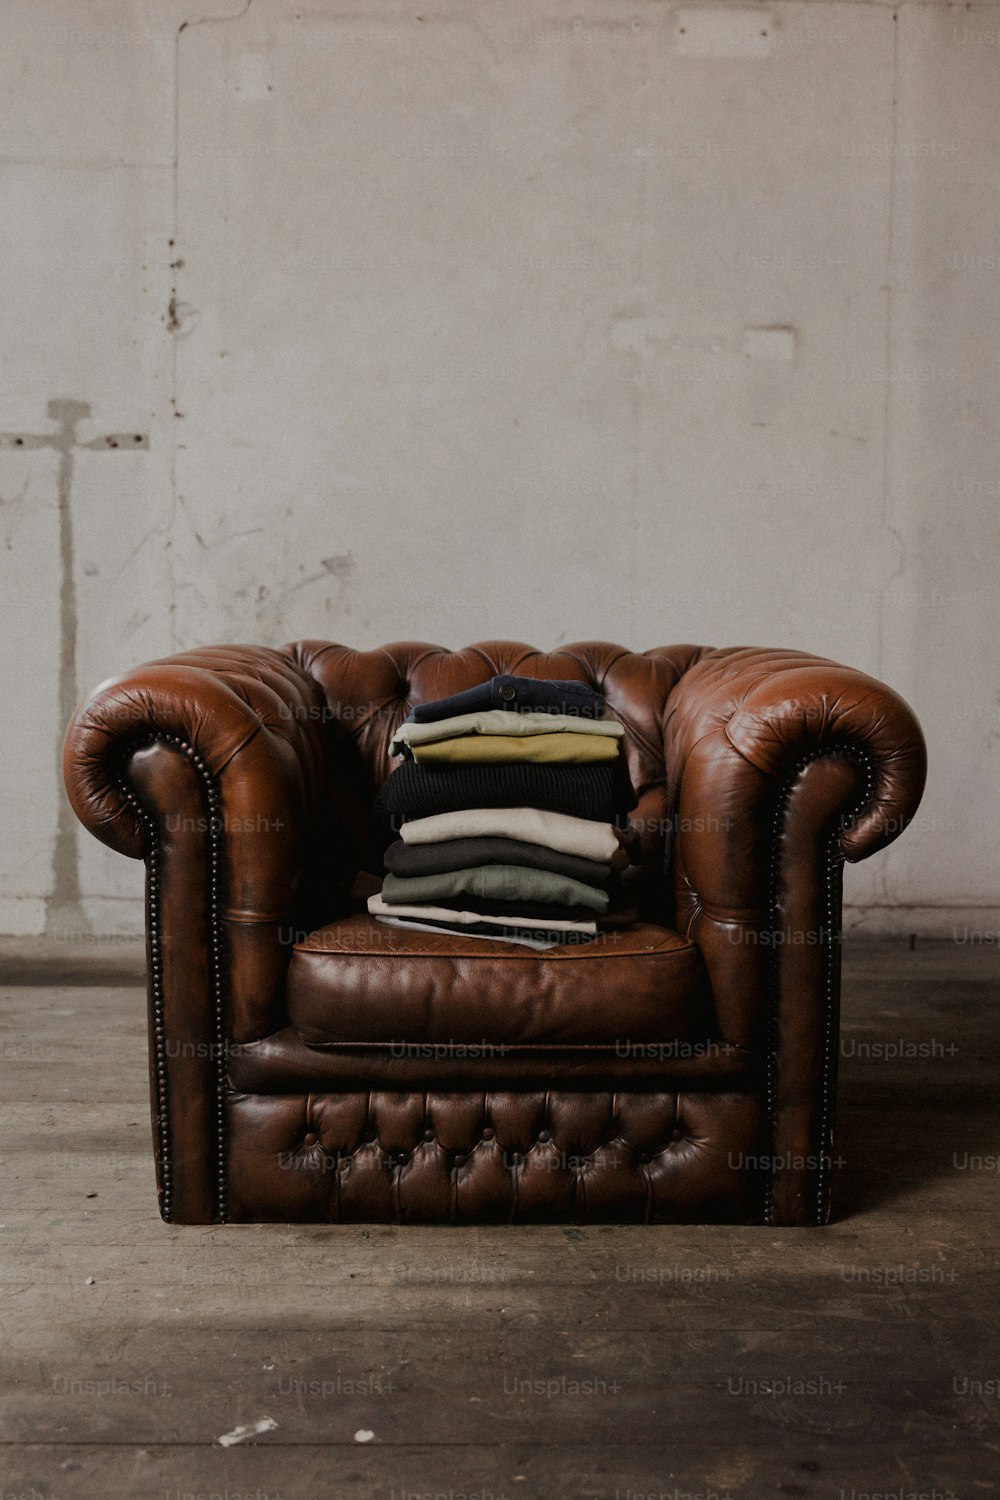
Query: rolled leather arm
(250,714)
(777,763)
(780,766)
(763,711)
(210,765)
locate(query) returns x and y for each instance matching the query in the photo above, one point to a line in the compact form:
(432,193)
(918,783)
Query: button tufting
(488,1132)
(507,693)
(428,1135)
(545,1135)
(309,1139)
(459,1161)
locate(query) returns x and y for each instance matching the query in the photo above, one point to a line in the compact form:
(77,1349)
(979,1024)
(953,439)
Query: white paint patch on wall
(613,320)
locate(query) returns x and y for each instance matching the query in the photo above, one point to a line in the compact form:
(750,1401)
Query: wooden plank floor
(618,1364)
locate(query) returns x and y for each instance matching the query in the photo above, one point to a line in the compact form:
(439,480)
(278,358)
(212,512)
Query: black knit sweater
(601,792)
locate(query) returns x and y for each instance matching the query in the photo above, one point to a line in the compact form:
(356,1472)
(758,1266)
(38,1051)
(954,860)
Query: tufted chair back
(366,695)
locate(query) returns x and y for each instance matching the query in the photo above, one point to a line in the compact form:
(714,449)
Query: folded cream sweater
(457,918)
(555,830)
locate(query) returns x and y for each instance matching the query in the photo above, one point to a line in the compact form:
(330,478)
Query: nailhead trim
(152,842)
(157,999)
(831,1022)
(833,864)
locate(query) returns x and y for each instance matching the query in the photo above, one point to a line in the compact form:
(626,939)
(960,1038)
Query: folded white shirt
(521,940)
(532,825)
(500,721)
(453,918)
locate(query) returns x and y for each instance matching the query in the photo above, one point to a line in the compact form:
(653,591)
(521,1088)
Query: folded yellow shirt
(549,749)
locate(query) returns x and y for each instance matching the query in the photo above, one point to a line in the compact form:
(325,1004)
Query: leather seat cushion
(359,981)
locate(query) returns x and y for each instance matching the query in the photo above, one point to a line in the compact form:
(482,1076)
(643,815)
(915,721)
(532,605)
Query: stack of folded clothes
(508,815)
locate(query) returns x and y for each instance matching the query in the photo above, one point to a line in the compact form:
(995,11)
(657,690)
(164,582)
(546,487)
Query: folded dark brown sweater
(464,854)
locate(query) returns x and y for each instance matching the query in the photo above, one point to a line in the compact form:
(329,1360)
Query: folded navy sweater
(517,694)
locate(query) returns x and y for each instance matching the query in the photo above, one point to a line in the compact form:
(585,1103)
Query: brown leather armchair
(308,1063)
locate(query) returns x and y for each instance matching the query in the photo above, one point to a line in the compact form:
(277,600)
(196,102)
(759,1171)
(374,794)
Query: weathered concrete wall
(603,319)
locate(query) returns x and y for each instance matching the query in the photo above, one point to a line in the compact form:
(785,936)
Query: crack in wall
(886,518)
(64,914)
